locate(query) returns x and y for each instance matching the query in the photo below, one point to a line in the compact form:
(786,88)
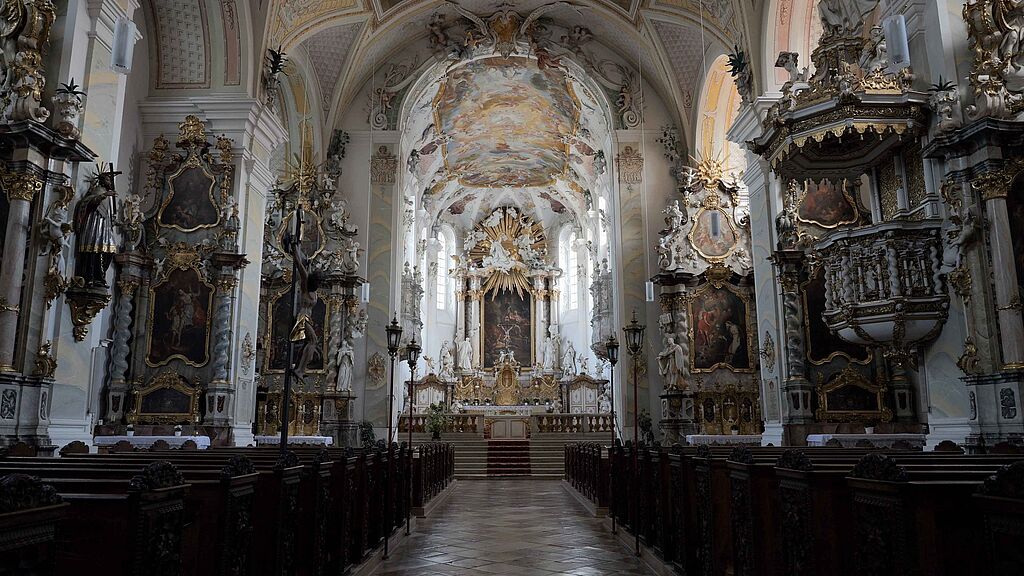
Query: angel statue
(304,332)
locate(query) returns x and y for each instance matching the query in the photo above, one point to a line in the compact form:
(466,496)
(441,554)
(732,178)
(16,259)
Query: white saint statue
(465,352)
(345,362)
(584,363)
(550,352)
(569,360)
(671,364)
(447,362)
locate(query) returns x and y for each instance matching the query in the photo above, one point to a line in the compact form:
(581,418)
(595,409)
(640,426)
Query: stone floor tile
(518,528)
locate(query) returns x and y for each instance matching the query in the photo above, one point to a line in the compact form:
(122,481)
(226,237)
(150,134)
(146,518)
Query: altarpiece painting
(191,202)
(507,327)
(180,317)
(719,330)
(826,204)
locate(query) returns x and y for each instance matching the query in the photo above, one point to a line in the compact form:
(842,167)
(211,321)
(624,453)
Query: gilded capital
(21,185)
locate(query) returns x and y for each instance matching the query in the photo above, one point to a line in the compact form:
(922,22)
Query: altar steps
(508,458)
(546,451)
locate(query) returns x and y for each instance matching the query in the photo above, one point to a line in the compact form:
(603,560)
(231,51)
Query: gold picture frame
(850,377)
(167,382)
(193,268)
(483,330)
(751,327)
(851,202)
(193,161)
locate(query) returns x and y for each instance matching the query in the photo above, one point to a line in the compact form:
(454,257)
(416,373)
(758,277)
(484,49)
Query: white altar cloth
(202,442)
(316,440)
(879,440)
(724,439)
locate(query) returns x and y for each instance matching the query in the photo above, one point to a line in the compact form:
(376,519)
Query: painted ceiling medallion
(508,122)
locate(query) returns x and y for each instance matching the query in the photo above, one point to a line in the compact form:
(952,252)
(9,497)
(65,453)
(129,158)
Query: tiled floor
(520,527)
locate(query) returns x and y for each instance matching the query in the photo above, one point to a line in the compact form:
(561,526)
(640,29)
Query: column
(131,266)
(20,188)
(540,313)
(1007,292)
(475,295)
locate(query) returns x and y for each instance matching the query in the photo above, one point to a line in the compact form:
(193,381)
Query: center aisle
(520,527)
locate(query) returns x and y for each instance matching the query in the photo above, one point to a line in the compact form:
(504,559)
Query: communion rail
(824,510)
(219,511)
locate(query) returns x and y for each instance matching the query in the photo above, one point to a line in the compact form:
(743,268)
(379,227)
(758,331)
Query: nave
(511,527)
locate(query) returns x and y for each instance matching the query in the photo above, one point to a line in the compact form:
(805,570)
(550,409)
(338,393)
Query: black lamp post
(394,332)
(413,350)
(612,351)
(634,342)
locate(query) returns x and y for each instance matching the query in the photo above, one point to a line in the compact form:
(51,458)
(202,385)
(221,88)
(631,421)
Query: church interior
(583,287)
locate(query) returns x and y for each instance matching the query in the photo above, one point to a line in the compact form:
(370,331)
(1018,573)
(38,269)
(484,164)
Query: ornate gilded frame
(752,351)
(712,203)
(285,227)
(181,258)
(846,195)
(325,350)
(193,161)
(168,379)
(730,397)
(533,334)
(851,377)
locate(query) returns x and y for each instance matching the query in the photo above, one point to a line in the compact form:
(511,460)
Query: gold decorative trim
(712,203)
(997,183)
(191,132)
(45,364)
(21,185)
(185,260)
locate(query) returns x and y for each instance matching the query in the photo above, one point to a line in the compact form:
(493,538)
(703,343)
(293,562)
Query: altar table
(315,440)
(879,440)
(724,439)
(202,442)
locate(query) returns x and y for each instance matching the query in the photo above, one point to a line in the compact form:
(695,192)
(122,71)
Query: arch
(790,26)
(719,104)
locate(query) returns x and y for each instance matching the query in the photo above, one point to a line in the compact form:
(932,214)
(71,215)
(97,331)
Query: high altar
(505,356)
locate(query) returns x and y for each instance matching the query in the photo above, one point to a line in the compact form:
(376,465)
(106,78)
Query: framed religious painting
(191,200)
(827,204)
(277,340)
(720,335)
(713,234)
(848,396)
(823,346)
(507,327)
(180,316)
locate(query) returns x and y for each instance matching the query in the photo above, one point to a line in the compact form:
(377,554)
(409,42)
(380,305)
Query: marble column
(475,296)
(21,187)
(797,387)
(1007,291)
(540,316)
(131,266)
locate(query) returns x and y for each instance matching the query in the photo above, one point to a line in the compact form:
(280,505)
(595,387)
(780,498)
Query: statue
(875,55)
(1010,20)
(429,363)
(671,364)
(569,360)
(447,362)
(584,363)
(844,17)
(785,222)
(94,221)
(131,221)
(465,353)
(304,332)
(345,362)
(498,257)
(604,405)
(550,351)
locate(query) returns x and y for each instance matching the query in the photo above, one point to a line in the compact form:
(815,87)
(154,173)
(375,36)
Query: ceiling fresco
(508,122)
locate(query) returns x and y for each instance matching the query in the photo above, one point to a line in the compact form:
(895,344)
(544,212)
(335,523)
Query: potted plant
(69,102)
(275,61)
(438,420)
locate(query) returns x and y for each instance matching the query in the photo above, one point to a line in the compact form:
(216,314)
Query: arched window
(442,271)
(570,272)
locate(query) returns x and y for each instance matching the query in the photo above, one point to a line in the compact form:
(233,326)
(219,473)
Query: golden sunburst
(510,225)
